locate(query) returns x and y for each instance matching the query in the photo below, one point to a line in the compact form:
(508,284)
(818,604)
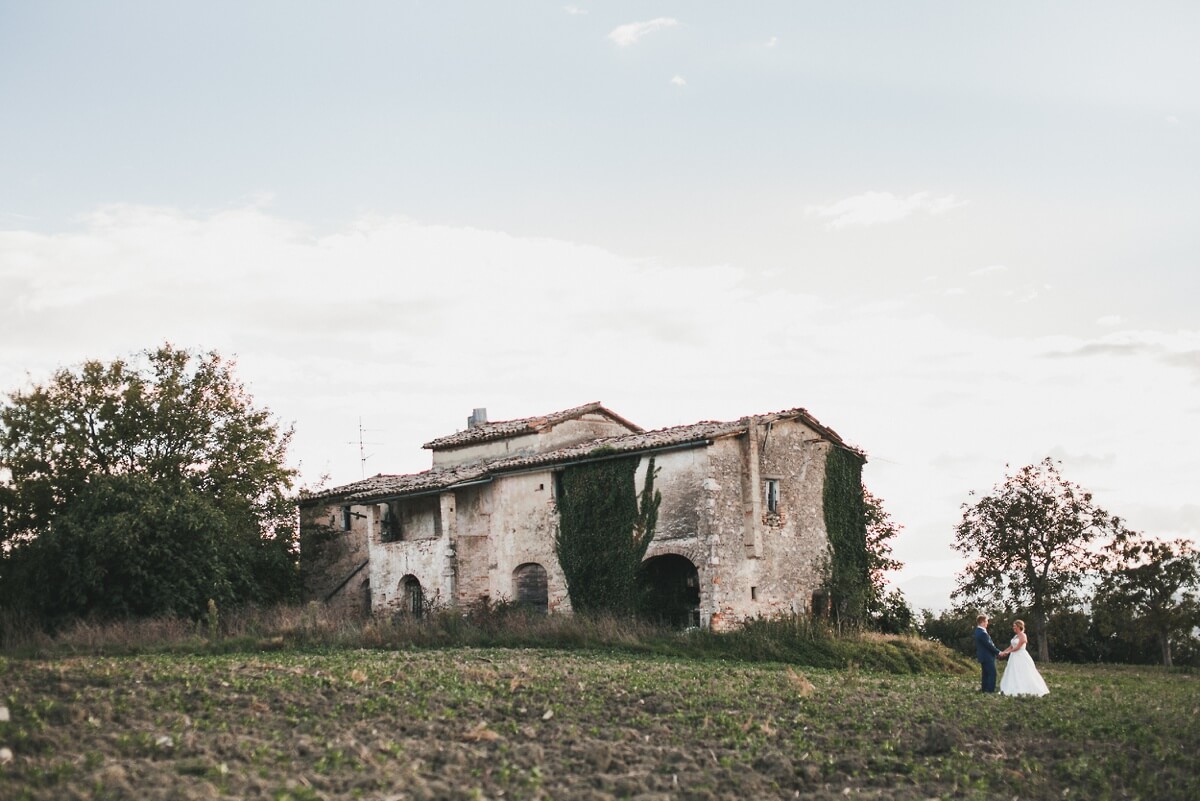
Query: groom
(986,652)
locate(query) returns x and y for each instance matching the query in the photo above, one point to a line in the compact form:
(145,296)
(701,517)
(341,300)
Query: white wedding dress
(1021,676)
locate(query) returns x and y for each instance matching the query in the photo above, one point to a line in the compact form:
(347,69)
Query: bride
(1021,676)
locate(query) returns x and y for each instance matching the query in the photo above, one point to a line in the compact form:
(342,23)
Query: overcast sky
(964,235)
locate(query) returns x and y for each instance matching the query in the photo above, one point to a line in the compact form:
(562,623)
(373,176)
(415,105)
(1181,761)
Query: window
(412,597)
(772,492)
(389,525)
(346,518)
(754,593)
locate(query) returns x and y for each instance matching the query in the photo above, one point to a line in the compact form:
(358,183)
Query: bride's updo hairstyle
(1019,624)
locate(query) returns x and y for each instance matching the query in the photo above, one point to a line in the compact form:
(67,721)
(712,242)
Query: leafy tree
(1156,582)
(142,487)
(887,610)
(604,530)
(1029,545)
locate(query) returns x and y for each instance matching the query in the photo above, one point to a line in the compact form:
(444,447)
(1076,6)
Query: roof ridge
(499,429)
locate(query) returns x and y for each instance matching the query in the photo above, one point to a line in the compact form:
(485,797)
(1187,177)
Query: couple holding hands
(1021,677)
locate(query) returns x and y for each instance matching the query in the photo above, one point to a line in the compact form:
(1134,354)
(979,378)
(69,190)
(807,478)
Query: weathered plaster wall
(582,429)
(766,564)
(569,432)
(522,445)
(329,555)
(524,522)
(430,560)
(473,545)
(683,521)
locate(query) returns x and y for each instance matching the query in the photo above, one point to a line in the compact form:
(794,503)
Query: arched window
(530,581)
(412,598)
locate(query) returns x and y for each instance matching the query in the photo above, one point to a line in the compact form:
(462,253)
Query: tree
(1029,545)
(888,611)
(1157,583)
(143,487)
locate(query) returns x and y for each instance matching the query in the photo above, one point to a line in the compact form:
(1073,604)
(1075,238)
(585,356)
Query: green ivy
(603,532)
(847,578)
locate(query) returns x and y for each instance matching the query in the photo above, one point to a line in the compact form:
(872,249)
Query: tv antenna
(363,456)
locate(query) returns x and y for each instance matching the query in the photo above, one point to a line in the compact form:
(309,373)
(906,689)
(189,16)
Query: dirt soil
(475,724)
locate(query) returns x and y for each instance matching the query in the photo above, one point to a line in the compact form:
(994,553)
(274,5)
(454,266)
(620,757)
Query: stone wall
(331,559)
(766,564)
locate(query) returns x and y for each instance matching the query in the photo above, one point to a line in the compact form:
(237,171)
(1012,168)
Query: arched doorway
(670,591)
(412,597)
(530,582)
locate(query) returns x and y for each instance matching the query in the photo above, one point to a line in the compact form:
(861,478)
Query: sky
(961,234)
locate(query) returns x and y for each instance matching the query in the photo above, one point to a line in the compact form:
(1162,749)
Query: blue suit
(985,652)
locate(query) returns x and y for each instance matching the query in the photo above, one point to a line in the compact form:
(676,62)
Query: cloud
(1176,350)
(574,11)
(1173,120)
(679,81)
(991,268)
(410,325)
(627,35)
(1109,320)
(875,208)
(774,40)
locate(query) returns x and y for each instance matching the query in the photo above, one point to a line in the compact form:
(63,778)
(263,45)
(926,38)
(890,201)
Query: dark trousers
(988,684)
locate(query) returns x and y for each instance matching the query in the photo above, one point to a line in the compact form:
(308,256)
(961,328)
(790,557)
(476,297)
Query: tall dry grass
(792,640)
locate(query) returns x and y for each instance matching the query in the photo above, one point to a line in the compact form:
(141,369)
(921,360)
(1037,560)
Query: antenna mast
(363,456)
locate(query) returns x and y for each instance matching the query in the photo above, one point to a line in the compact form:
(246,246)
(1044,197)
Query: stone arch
(531,585)
(412,596)
(669,590)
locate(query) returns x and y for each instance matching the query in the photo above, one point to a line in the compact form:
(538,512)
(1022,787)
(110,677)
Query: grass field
(478,723)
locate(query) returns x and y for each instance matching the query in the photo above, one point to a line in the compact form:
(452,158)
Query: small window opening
(345,518)
(754,593)
(390,526)
(772,495)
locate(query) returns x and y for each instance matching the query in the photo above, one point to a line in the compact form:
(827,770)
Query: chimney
(477,418)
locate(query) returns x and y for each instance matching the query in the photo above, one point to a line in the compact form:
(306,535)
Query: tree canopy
(1029,543)
(141,487)
(1150,587)
(887,609)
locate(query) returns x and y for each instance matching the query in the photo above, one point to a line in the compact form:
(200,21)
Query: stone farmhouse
(741,529)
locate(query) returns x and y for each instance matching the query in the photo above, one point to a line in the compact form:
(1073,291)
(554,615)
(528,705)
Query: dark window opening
(346,518)
(820,604)
(412,597)
(772,492)
(390,527)
(754,593)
